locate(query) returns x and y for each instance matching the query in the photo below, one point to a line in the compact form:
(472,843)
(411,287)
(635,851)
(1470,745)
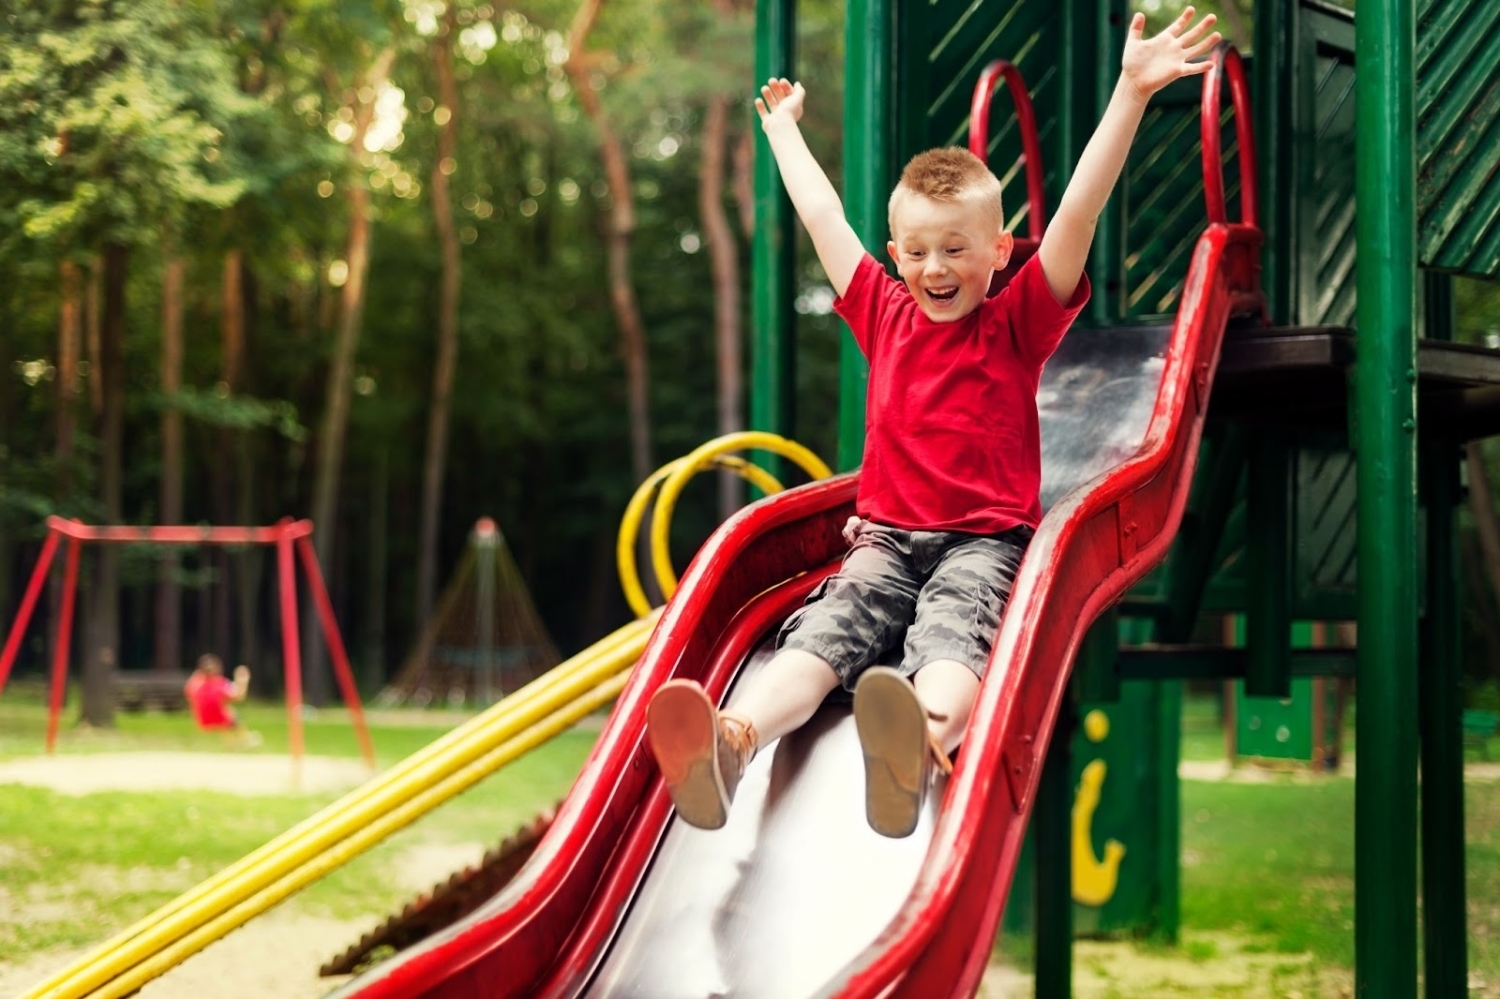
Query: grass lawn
(75,869)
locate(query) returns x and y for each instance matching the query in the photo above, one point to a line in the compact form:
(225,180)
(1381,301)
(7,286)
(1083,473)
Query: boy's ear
(890,249)
(1005,243)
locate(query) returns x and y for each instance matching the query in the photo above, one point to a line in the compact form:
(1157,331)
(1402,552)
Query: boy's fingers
(1137,25)
(760,107)
(1199,28)
(1196,68)
(1204,46)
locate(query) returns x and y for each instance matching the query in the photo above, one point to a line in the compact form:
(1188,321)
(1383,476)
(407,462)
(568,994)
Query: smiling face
(946,252)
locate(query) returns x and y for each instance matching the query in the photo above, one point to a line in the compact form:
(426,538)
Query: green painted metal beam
(773,253)
(1053,829)
(1268,567)
(1273,73)
(869,103)
(1385,800)
(1190,662)
(1444,919)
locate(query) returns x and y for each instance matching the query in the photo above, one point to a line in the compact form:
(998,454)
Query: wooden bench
(149,689)
(1478,727)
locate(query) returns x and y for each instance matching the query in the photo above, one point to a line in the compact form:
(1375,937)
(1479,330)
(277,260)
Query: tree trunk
(621,228)
(335,420)
(1482,510)
(69,341)
(221,639)
(436,460)
(744,182)
(98,697)
(1488,614)
(379,556)
(168,595)
(93,318)
(246,564)
(724,257)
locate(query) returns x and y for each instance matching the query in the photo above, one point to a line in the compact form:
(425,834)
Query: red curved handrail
(1031,145)
(1227,63)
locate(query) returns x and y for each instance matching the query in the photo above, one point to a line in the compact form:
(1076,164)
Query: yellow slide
(393,800)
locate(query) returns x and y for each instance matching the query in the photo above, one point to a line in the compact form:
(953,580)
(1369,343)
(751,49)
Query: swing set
(288,536)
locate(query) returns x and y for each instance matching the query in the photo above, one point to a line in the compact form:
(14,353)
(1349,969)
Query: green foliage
(220,409)
(111,119)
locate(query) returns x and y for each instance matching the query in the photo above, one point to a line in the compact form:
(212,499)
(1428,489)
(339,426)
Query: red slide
(794,897)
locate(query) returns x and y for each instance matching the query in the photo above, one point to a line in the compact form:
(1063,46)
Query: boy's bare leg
(947,689)
(785,694)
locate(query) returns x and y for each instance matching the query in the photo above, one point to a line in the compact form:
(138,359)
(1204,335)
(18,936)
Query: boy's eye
(955,249)
(916,254)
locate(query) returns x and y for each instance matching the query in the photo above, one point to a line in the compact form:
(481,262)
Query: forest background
(396,265)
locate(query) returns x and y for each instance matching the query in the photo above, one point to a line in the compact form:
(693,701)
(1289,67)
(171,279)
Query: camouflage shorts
(939,594)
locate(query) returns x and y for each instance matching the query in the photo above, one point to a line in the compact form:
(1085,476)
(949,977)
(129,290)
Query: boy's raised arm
(1147,65)
(817,203)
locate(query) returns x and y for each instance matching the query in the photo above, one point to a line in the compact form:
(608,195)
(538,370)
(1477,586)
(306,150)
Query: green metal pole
(869,104)
(1097,672)
(1054,862)
(773,286)
(1168,915)
(1444,921)
(1268,573)
(1385,800)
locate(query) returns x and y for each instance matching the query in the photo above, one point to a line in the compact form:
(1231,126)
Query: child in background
(949,491)
(210,695)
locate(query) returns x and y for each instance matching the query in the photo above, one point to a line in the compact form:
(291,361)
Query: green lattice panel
(1324,532)
(1458,135)
(1325,276)
(944,45)
(1163,199)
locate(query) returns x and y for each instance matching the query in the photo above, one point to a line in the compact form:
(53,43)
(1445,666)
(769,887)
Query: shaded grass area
(75,869)
(1272,860)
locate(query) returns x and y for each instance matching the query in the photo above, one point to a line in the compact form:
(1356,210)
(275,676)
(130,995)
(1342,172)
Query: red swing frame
(286,535)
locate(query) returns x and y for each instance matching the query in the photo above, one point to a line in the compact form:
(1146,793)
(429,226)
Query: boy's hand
(1151,63)
(779,98)
(242,674)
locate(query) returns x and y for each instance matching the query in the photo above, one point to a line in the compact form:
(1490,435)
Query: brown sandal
(702,752)
(899,749)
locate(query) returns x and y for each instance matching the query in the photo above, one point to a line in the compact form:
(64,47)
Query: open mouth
(943,296)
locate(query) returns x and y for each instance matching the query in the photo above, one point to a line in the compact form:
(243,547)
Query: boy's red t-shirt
(209,696)
(952,439)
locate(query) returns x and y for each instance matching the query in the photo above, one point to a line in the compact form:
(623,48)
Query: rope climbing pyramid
(485,640)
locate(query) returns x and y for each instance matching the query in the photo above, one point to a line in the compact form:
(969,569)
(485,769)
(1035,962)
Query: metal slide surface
(796,897)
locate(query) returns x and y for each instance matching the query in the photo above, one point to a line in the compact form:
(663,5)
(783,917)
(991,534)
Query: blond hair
(952,175)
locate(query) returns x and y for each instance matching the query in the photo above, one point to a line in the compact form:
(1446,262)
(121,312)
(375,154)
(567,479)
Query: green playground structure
(1394,111)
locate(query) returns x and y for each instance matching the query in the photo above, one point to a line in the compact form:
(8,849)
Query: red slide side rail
(1031,144)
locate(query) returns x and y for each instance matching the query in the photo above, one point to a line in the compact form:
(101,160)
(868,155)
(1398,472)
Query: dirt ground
(237,966)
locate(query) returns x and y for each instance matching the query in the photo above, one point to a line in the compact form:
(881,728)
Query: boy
(948,495)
